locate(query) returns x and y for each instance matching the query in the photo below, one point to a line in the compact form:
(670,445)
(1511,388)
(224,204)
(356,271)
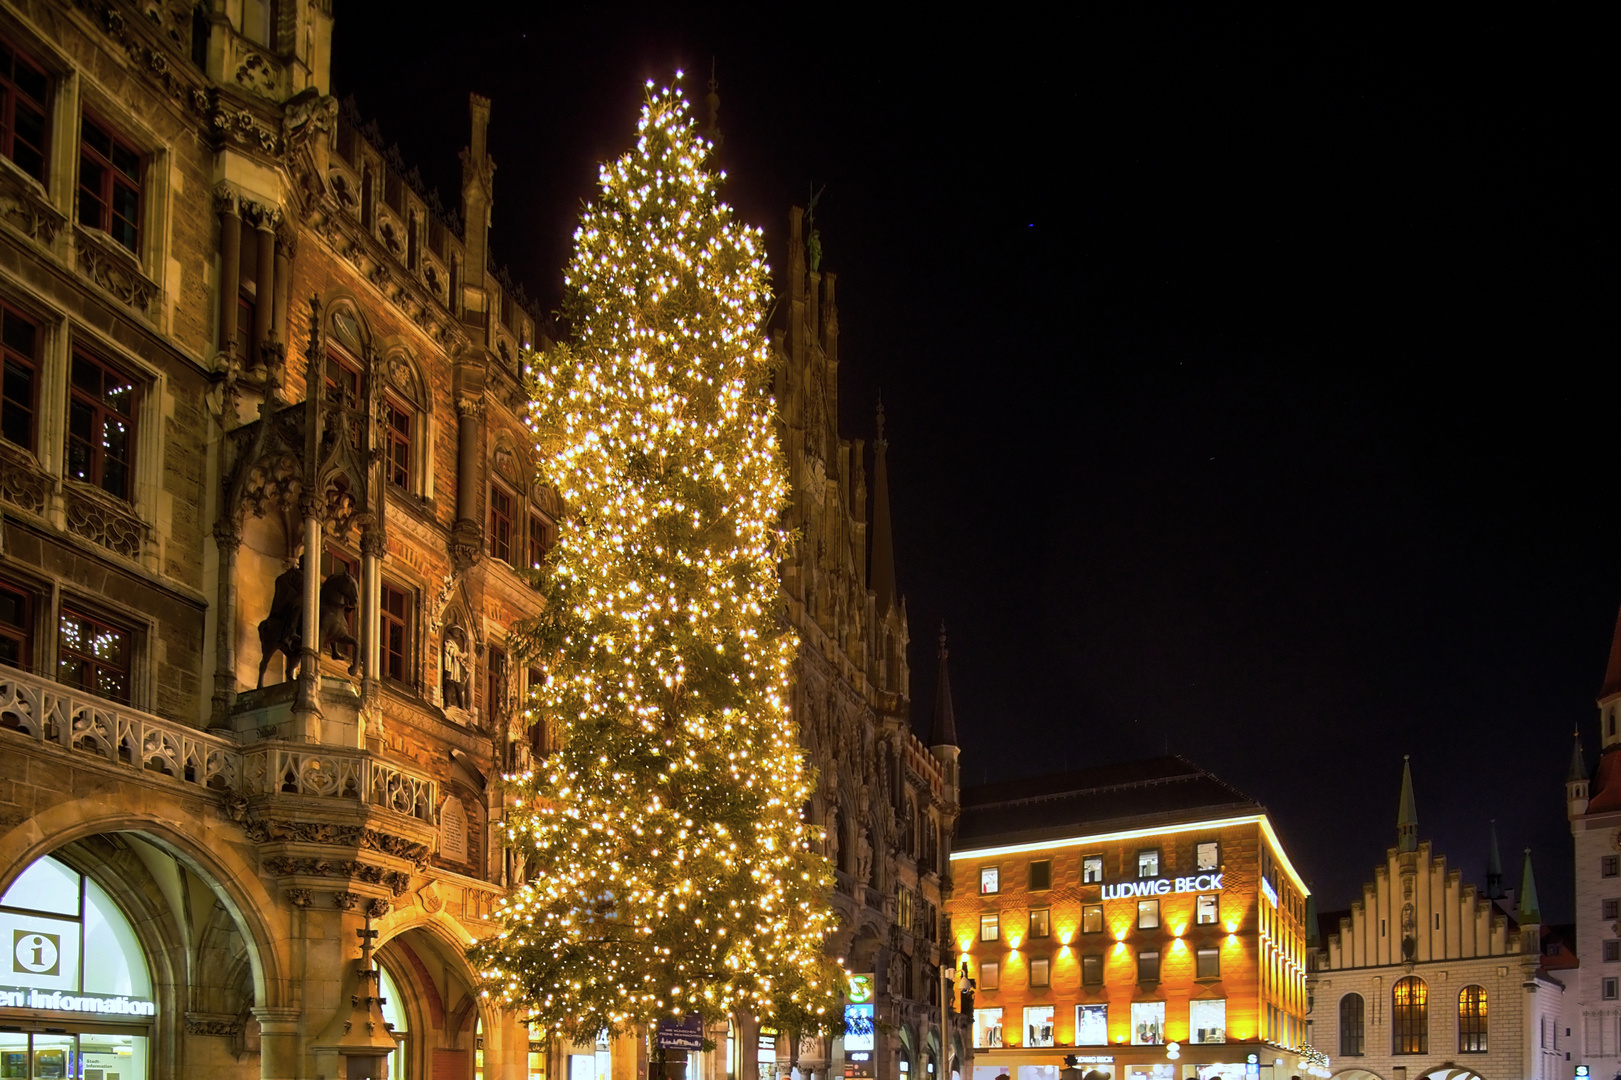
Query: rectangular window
(1612,950)
(988,1027)
(1611,909)
(500,524)
(990,975)
(1610,866)
(1038,1023)
(1147,1023)
(1041,922)
(1209,964)
(101,425)
(1041,875)
(990,880)
(1207,856)
(1148,863)
(343,384)
(1092,919)
(23,89)
(1206,909)
(1040,974)
(1148,966)
(1207,1021)
(1091,971)
(1147,914)
(397,466)
(1091,869)
(1612,989)
(396,642)
(540,539)
(109,184)
(93,655)
(19,381)
(990,927)
(16,627)
(1091,1025)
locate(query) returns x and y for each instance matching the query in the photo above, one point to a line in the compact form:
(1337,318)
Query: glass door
(25,1056)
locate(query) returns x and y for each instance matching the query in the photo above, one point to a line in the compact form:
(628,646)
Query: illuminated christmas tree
(670,869)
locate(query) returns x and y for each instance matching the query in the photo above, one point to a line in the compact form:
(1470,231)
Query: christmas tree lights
(670,870)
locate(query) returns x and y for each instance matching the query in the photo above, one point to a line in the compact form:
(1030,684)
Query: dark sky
(1251,379)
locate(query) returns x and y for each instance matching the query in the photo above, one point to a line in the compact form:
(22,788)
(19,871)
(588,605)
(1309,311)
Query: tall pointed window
(1472,1020)
(1351,1009)
(1410,1017)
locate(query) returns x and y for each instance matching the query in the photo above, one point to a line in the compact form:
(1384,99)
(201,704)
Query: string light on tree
(671,871)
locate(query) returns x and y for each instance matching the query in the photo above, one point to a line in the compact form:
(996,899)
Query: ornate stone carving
(222,1024)
(378,908)
(302,898)
(21,482)
(346,901)
(114,267)
(23,203)
(105,521)
(258,73)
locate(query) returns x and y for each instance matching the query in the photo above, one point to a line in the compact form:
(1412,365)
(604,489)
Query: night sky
(1250,380)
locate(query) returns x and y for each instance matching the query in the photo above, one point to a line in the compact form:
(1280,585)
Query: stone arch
(411,937)
(343,320)
(1450,1072)
(198,841)
(1356,1074)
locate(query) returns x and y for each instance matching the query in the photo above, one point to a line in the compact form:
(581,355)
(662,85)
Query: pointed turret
(1407,813)
(1576,780)
(883,543)
(1494,866)
(1530,908)
(943,732)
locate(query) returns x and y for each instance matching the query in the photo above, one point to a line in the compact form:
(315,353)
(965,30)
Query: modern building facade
(1141,917)
(1427,976)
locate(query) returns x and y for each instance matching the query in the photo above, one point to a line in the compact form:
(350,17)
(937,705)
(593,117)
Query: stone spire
(883,543)
(1494,866)
(1578,763)
(1407,813)
(944,730)
(1530,908)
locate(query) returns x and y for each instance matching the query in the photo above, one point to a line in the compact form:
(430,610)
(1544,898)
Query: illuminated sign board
(56,1001)
(858,1028)
(1124,890)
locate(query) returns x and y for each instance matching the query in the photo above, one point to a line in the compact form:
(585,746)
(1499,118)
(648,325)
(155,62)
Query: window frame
(1148,908)
(1088,913)
(1148,965)
(101,413)
(1610,866)
(1215,852)
(1610,950)
(1089,863)
(22,633)
(88,615)
(388,623)
(1212,952)
(10,92)
(1141,853)
(502,536)
(1473,1019)
(1199,909)
(34,365)
(1410,1019)
(1193,1032)
(398,446)
(1047,867)
(1610,907)
(990,926)
(1610,988)
(1093,961)
(111,181)
(990,975)
(541,536)
(1089,1005)
(1045,915)
(1350,1036)
(1045,965)
(992,874)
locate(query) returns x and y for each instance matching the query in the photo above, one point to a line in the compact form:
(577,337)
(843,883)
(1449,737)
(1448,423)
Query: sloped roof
(1131,794)
(1606,789)
(1612,670)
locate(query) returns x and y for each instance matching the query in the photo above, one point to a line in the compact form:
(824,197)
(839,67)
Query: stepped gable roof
(1612,670)
(1328,923)
(1131,794)
(1606,793)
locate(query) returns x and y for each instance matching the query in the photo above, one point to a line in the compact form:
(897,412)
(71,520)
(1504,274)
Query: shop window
(1041,875)
(1091,1025)
(24,87)
(1208,964)
(1610,866)
(1147,1023)
(109,184)
(1206,909)
(101,425)
(541,534)
(1148,863)
(1148,914)
(500,523)
(16,627)
(988,1028)
(1611,988)
(94,655)
(1092,970)
(397,465)
(396,619)
(19,382)
(1038,1022)
(1041,922)
(1410,1017)
(990,927)
(1040,976)
(1091,869)
(1207,1021)
(1207,856)
(990,975)
(990,880)
(1092,919)
(1148,966)
(1611,909)
(1472,1020)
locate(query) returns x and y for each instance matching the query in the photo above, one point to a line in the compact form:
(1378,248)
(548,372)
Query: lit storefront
(75,993)
(1143,919)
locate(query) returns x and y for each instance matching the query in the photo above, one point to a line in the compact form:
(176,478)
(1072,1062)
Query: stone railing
(73,721)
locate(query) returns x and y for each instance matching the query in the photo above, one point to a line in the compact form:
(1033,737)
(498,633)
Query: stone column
(230,265)
(286,246)
(227,539)
(280,1053)
(307,703)
(469,412)
(265,283)
(371,609)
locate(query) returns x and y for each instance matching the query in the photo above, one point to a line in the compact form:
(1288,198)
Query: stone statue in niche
(340,596)
(863,874)
(454,667)
(279,632)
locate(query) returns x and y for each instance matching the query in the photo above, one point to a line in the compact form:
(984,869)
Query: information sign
(685,1034)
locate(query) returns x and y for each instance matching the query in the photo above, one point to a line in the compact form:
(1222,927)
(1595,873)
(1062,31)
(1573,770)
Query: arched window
(1410,1017)
(1472,1020)
(1351,1025)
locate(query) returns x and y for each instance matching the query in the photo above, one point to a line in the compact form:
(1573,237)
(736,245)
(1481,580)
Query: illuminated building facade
(1428,977)
(1142,917)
